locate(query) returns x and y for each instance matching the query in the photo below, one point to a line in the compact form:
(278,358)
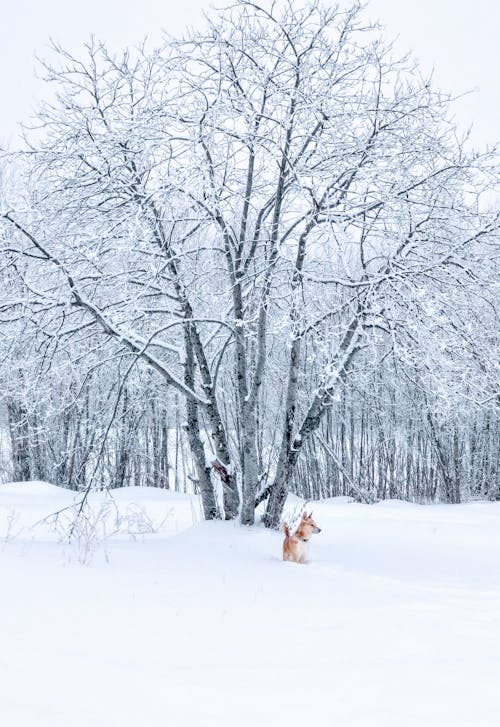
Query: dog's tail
(286,529)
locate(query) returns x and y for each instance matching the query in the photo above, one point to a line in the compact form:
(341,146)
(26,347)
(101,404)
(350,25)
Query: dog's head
(307,525)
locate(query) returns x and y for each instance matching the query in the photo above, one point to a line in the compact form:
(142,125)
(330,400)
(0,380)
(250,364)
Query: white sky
(459,38)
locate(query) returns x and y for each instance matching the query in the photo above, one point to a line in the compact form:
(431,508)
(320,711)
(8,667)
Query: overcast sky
(458,38)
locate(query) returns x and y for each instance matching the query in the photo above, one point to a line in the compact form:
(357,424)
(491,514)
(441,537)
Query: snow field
(393,623)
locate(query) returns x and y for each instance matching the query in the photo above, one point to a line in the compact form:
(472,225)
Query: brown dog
(295,547)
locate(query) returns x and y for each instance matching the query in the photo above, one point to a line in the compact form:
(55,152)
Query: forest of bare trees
(255,260)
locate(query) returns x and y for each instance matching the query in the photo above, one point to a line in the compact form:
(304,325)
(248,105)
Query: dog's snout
(318,530)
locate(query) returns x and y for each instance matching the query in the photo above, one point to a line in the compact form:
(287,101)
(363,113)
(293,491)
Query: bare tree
(260,213)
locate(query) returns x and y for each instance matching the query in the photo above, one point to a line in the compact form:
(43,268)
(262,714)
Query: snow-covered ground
(395,622)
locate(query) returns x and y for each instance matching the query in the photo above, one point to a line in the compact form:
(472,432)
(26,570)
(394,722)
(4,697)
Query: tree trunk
(19,438)
(209,503)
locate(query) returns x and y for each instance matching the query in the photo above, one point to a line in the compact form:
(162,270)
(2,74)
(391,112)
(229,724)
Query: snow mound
(35,488)
(149,494)
(43,510)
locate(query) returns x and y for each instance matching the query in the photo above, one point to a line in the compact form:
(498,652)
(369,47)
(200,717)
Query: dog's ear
(310,514)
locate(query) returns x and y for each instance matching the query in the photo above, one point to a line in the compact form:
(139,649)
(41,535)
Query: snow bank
(38,510)
(32,489)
